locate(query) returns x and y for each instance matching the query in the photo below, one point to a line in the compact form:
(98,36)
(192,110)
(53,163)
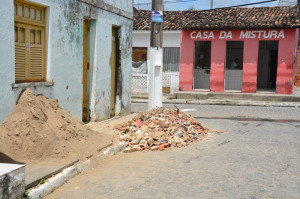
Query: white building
(171,53)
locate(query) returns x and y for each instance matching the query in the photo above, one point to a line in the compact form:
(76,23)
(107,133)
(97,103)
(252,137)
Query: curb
(264,104)
(112,151)
(35,182)
(67,174)
(58,180)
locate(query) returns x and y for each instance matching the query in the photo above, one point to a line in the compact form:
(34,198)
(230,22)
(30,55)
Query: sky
(205,4)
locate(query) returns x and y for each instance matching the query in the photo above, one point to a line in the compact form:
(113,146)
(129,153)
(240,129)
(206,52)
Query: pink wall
(249,83)
(218,48)
(288,41)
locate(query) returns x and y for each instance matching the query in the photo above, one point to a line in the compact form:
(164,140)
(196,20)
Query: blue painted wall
(65,55)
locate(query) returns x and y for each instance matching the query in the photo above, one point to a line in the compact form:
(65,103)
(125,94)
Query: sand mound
(38,128)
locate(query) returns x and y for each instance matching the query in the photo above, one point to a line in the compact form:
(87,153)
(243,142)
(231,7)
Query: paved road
(252,159)
(231,112)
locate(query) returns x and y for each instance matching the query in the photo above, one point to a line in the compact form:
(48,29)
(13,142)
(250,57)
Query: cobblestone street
(252,159)
(221,111)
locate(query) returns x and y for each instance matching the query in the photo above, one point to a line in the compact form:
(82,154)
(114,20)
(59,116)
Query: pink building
(239,49)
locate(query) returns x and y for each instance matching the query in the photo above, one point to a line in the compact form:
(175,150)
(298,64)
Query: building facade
(240,50)
(77,52)
(171,60)
(171,50)
(230,49)
(239,60)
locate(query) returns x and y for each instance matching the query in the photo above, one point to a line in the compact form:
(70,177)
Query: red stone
(163,146)
(173,116)
(138,123)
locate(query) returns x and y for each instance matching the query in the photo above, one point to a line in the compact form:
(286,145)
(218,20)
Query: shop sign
(243,34)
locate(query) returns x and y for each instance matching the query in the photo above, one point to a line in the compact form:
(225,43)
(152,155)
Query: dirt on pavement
(38,129)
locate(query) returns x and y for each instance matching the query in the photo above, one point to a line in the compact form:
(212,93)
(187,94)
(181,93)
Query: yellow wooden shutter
(30,62)
(20,52)
(36,54)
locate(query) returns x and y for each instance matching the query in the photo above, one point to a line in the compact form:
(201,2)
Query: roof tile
(223,18)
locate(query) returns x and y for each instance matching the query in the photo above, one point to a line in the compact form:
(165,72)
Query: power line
(165,2)
(179,1)
(214,8)
(220,8)
(249,4)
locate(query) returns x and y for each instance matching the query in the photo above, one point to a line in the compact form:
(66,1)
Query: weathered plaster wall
(7,76)
(123,5)
(65,55)
(142,39)
(101,94)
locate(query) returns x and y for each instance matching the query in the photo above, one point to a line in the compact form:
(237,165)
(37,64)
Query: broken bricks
(163,146)
(160,128)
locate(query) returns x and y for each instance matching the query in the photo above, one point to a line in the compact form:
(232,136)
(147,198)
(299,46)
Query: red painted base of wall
(297,81)
(297,78)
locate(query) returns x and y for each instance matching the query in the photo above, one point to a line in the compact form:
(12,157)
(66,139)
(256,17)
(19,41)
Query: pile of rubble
(160,128)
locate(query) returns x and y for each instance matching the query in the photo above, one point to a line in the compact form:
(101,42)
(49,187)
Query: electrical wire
(182,1)
(220,8)
(165,2)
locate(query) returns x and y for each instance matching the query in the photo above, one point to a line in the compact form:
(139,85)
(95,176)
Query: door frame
(194,63)
(113,67)
(85,109)
(272,90)
(226,70)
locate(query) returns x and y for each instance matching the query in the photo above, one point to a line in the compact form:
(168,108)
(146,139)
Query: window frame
(31,23)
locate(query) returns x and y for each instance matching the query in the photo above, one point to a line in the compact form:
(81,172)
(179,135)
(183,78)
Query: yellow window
(30,59)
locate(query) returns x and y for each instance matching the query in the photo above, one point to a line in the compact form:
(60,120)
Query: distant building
(171,50)
(234,49)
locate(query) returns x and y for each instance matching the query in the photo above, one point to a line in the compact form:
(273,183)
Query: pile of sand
(38,128)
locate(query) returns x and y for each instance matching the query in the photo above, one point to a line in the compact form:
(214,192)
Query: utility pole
(212,4)
(156,59)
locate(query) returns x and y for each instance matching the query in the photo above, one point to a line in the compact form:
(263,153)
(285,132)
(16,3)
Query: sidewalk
(236,99)
(35,171)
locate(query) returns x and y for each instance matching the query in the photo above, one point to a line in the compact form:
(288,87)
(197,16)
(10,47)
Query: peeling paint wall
(101,80)
(65,56)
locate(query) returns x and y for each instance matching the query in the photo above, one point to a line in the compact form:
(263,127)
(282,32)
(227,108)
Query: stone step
(238,96)
(12,180)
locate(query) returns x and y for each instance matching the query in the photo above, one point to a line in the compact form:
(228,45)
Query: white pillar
(155,77)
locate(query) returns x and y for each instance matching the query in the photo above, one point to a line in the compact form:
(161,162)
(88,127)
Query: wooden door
(112,62)
(84,72)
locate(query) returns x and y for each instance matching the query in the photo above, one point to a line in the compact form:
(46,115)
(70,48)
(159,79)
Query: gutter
(107,7)
(164,31)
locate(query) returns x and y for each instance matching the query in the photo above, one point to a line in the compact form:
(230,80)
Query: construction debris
(160,128)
